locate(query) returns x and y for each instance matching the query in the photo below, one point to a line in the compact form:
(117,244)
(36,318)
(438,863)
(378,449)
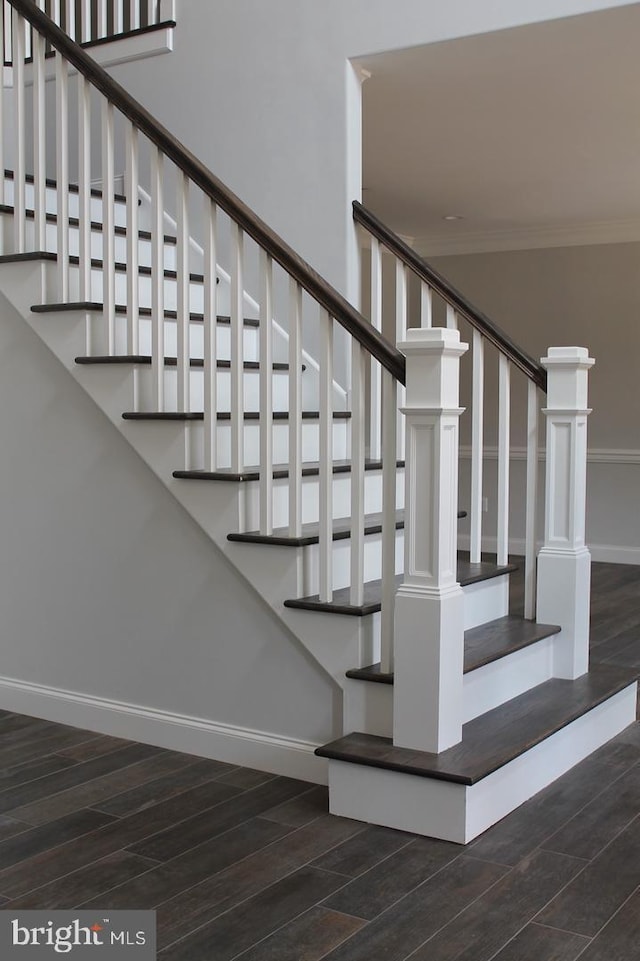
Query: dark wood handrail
(329,298)
(476,318)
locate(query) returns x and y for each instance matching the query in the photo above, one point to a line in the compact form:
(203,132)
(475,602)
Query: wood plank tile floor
(242,864)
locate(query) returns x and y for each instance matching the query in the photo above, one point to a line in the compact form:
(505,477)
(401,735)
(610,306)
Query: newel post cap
(568,374)
(433,367)
(576,358)
(432,340)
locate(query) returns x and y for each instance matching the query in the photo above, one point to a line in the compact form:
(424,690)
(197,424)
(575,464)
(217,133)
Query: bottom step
(505,757)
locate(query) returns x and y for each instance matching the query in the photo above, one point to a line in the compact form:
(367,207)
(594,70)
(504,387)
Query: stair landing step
(493,740)
(90,306)
(280,471)
(467,573)
(482,645)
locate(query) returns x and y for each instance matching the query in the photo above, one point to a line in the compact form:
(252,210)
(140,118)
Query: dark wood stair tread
(482,645)
(341,604)
(280,471)
(146,360)
(91,306)
(225,415)
(311,532)
(495,738)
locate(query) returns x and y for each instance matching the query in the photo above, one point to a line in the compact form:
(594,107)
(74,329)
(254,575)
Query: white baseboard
(607,553)
(176,732)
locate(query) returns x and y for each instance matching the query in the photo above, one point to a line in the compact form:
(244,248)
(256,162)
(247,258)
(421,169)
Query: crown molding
(528,238)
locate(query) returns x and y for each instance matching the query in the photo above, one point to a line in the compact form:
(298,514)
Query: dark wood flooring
(238,863)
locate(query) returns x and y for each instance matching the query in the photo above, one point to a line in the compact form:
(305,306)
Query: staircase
(220,356)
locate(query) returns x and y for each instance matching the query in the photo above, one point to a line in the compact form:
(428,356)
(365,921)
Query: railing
(155,302)
(89,21)
(255,257)
(431,290)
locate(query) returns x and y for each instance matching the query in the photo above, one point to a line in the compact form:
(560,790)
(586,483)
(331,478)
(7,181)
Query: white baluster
(295,409)
(326,458)
(237,351)
(108,226)
(358,432)
(101,24)
(429,622)
(564,562)
(4,24)
(152,6)
(477,447)
(118,17)
(389,471)
(504,452)
(531,503)
(85,21)
(210,331)
(19,173)
(266,393)
(84,189)
(426,305)
(401,330)
(183,304)
(134,14)
(62,174)
(452,318)
(70,16)
(133,265)
(157,277)
(56,11)
(39,138)
(375,381)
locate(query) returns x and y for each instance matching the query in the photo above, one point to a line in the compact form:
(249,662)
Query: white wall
(261,91)
(109,590)
(587,296)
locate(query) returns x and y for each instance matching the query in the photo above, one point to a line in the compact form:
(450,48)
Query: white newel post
(564,563)
(429,628)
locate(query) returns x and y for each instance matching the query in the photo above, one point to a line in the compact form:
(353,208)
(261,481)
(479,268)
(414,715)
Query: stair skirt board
(261,750)
(460,812)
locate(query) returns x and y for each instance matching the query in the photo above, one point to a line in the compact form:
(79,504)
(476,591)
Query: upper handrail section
(448,292)
(297,268)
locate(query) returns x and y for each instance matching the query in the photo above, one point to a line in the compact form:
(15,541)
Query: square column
(429,617)
(564,562)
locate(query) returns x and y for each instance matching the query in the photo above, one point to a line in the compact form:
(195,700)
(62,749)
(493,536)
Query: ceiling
(531,135)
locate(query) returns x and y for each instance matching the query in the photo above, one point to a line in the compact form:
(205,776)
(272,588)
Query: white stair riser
(498,682)
(251,432)
(51,203)
(341,557)
(170,289)
(196,338)
(251,385)
(310,493)
(486,601)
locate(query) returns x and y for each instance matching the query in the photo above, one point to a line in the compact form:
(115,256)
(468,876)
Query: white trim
(528,238)
(176,732)
(605,553)
(595,455)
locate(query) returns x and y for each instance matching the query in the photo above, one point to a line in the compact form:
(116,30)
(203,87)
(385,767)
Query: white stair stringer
(336,643)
